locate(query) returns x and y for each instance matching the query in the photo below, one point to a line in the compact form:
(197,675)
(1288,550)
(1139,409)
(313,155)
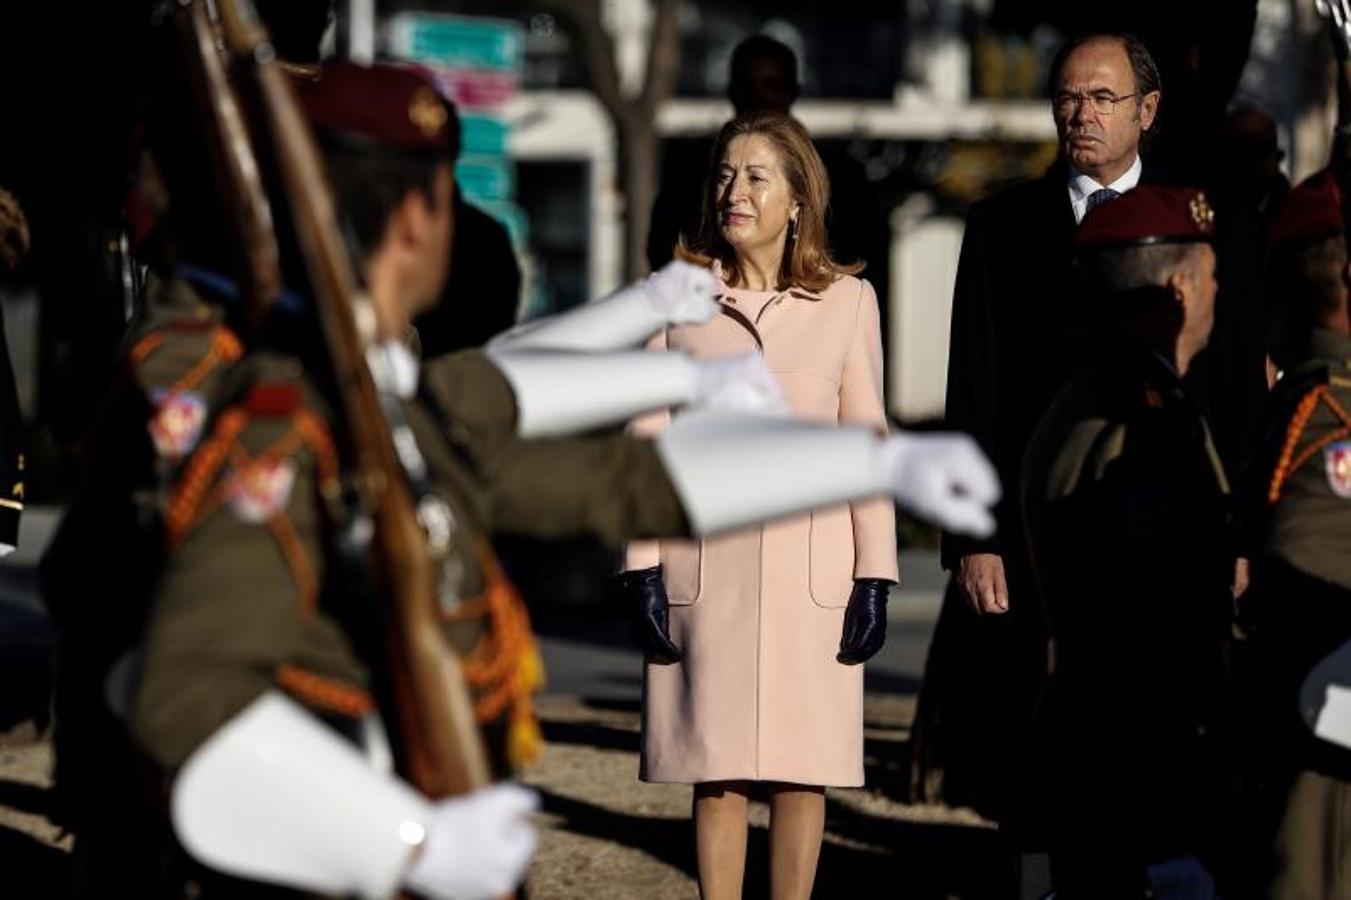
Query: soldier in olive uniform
(1127,508)
(259,615)
(1299,507)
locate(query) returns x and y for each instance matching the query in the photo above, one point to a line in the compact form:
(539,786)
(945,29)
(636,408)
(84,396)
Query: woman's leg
(720,837)
(797,819)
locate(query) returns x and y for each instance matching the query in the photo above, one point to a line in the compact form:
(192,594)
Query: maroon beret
(394,107)
(1310,212)
(1150,214)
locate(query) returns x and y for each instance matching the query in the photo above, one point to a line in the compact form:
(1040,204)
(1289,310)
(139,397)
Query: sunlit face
(1101,145)
(755,204)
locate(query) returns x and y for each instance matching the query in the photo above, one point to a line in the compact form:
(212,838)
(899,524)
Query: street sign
(475,89)
(483,135)
(485,177)
(457,41)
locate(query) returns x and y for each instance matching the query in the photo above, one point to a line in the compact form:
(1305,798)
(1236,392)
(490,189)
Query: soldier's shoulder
(1295,386)
(467,390)
(178,341)
(269,443)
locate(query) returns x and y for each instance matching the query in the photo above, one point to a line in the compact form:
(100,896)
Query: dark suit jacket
(1017,337)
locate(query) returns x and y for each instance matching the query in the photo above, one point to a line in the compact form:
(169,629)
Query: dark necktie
(1099,197)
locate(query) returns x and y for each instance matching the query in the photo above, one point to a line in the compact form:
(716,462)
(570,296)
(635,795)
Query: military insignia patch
(260,488)
(177,422)
(1337,461)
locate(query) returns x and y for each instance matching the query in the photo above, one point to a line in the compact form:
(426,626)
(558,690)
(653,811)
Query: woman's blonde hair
(806,259)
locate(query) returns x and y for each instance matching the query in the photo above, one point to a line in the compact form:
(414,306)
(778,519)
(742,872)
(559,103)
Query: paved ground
(604,834)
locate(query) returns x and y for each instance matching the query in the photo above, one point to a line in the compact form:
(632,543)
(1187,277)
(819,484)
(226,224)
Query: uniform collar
(394,368)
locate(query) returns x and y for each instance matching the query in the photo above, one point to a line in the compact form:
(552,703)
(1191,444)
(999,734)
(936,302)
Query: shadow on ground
(918,861)
(865,854)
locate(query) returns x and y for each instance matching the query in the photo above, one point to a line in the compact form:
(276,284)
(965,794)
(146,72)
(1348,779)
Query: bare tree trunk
(634,118)
(640,170)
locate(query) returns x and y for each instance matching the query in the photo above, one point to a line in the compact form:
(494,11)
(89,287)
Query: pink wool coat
(758,613)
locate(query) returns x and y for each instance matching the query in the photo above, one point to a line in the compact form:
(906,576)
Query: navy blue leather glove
(648,614)
(865,621)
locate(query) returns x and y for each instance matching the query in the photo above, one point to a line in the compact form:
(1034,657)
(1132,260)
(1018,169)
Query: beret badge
(1202,213)
(427,112)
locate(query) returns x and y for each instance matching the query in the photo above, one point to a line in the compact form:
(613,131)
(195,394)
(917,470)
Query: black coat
(1017,336)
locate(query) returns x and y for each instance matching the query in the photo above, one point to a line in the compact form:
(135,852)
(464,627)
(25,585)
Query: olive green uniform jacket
(1128,519)
(1298,610)
(255,594)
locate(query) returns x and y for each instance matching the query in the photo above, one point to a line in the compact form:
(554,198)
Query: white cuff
(276,796)
(563,393)
(621,321)
(732,470)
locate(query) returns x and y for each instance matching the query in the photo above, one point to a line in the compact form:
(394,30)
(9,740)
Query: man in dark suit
(1021,327)
(1019,332)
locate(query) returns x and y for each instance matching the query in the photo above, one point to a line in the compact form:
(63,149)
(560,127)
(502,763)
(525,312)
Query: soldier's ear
(1178,285)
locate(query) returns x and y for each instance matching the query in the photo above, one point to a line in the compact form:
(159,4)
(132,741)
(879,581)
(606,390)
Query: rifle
(436,741)
(234,168)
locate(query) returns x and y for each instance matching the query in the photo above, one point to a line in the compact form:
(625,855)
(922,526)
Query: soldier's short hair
(370,183)
(1121,269)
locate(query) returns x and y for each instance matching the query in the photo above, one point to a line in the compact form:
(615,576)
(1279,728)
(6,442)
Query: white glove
(478,845)
(943,477)
(681,293)
(739,383)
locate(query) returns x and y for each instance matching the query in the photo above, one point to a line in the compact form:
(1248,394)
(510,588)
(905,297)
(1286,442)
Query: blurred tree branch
(635,117)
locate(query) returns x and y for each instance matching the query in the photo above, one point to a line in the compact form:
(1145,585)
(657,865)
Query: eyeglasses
(1102,102)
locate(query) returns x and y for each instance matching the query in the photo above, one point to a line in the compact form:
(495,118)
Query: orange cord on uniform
(201,473)
(504,668)
(1289,463)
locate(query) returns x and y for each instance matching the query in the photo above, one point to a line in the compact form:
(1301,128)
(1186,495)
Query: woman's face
(754,202)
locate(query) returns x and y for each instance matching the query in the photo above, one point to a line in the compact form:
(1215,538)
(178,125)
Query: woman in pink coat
(753,638)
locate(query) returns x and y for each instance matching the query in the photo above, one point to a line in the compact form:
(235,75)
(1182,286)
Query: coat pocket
(682,567)
(831,556)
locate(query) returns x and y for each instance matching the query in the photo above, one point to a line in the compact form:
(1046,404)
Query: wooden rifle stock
(436,739)
(233,165)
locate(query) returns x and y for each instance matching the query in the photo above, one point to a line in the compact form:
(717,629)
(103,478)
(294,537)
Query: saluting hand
(681,293)
(943,477)
(981,579)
